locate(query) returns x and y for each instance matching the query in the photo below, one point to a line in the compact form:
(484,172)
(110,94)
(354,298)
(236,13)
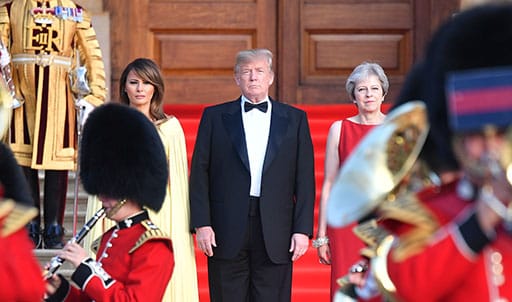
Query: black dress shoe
(53,235)
(34,231)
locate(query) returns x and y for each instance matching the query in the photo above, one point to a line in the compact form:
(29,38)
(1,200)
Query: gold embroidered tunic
(44,39)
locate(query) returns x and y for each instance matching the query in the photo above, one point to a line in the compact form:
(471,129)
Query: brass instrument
(56,262)
(382,175)
(377,165)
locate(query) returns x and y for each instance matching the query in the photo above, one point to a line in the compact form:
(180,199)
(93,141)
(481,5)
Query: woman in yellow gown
(142,87)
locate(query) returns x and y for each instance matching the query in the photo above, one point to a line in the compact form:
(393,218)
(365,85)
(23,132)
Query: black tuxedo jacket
(220,179)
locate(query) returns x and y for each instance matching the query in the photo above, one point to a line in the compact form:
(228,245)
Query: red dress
(343,243)
(460,263)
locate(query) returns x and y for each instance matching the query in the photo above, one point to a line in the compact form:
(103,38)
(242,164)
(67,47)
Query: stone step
(70,204)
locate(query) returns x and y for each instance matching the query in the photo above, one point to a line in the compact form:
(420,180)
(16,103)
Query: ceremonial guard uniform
(133,262)
(44,38)
(47,40)
(467,90)
(460,264)
(20,273)
(452,240)
(123,162)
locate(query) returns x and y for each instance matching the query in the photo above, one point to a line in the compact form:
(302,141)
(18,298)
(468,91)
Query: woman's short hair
(363,71)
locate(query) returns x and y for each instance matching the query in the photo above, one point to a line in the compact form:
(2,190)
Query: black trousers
(54,200)
(251,276)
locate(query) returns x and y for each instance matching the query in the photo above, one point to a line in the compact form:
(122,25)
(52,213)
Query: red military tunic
(134,263)
(460,263)
(21,278)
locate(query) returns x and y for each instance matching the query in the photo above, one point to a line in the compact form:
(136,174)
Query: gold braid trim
(18,216)
(152,232)
(4,15)
(5,26)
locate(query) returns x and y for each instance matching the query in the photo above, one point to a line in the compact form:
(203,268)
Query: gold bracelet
(318,242)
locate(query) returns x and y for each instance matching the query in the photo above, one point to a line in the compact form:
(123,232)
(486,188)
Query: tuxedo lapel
(278,126)
(233,124)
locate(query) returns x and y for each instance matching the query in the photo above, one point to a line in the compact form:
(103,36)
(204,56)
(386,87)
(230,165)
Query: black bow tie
(260,106)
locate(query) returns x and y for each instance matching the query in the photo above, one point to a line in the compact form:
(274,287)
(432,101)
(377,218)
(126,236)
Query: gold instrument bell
(378,164)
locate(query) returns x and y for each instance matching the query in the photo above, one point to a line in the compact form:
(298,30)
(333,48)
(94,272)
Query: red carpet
(310,279)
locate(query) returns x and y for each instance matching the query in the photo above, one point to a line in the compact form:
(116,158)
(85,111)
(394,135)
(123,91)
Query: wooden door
(317,43)
(194,42)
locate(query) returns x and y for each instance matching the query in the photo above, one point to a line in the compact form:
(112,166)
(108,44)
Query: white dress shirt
(257,129)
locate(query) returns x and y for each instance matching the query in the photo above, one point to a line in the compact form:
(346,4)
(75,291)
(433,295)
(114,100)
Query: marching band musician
(17,260)
(47,39)
(123,162)
(453,242)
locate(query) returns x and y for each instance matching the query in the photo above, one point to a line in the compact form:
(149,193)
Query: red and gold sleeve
(151,269)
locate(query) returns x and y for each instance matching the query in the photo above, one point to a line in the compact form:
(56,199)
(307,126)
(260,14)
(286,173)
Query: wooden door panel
(347,14)
(336,36)
(334,55)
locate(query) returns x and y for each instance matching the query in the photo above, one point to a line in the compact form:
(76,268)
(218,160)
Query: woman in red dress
(367,86)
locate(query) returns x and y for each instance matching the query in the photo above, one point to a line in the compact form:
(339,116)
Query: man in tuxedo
(252,188)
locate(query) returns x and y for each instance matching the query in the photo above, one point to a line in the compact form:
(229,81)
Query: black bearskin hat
(12,180)
(122,156)
(477,38)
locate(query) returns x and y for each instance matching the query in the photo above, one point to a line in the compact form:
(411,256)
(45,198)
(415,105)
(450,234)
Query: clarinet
(56,262)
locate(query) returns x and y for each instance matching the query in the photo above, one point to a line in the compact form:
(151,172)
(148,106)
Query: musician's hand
(73,253)
(490,216)
(52,284)
(205,238)
(357,273)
